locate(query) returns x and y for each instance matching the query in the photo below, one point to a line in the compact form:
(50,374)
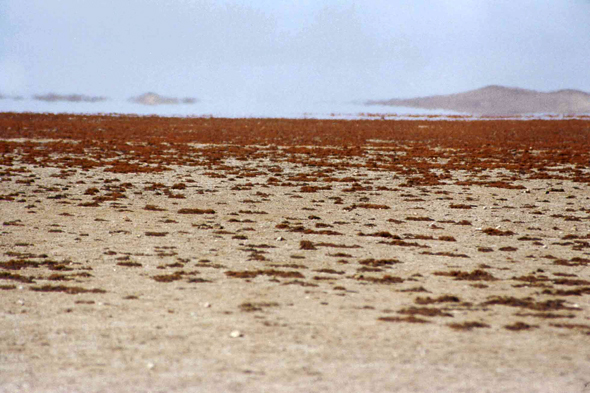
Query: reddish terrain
(184,254)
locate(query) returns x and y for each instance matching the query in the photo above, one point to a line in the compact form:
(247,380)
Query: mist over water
(218,108)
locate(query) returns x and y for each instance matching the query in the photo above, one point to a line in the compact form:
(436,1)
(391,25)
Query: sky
(306,50)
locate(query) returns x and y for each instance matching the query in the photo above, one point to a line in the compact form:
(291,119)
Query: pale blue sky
(303,50)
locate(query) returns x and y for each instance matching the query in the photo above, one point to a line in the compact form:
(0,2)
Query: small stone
(236,334)
(150,365)
(207,305)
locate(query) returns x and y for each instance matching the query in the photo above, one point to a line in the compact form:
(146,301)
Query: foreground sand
(405,260)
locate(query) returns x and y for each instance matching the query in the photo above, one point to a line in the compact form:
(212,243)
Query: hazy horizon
(249,55)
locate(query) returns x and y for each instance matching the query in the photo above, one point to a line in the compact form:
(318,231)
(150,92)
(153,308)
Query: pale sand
(145,335)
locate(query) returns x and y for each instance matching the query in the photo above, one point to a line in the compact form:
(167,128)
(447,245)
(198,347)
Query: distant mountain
(156,99)
(501,101)
(16,98)
(52,97)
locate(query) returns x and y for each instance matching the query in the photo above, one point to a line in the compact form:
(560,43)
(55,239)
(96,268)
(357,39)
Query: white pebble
(236,334)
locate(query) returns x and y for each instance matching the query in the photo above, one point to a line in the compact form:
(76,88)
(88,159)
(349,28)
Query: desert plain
(293,255)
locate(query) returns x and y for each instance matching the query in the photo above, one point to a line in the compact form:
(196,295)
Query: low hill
(156,99)
(501,101)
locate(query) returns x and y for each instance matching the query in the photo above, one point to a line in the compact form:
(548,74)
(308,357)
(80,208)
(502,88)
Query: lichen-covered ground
(155,254)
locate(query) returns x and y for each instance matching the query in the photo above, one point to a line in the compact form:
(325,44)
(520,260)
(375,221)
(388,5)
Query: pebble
(236,334)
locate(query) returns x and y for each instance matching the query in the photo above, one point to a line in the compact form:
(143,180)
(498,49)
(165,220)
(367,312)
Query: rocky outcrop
(501,101)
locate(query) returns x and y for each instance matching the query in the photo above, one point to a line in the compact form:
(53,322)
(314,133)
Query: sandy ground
(258,287)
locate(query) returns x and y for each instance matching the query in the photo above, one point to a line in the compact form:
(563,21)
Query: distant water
(253,109)
(246,109)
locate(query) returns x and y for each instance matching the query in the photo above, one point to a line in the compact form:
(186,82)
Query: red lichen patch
(366,206)
(314,232)
(267,272)
(393,220)
(171,265)
(529,238)
(378,262)
(496,232)
(383,234)
(568,292)
(156,234)
(533,280)
(386,279)
(91,191)
(468,325)
(529,303)
(196,211)
(485,249)
(252,212)
(129,264)
(460,206)
(425,311)
(333,245)
(300,283)
(415,289)
(66,289)
(518,326)
(59,277)
(577,326)
(569,281)
(403,243)
(440,299)
(256,306)
(340,255)
(153,208)
(544,315)
(288,265)
(576,261)
(16,277)
(197,280)
(409,319)
(476,275)
(445,254)
(169,277)
(89,204)
(15,223)
(419,219)
(24,255)
(505,185)
(18,264)
(309,245)
(329,271)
